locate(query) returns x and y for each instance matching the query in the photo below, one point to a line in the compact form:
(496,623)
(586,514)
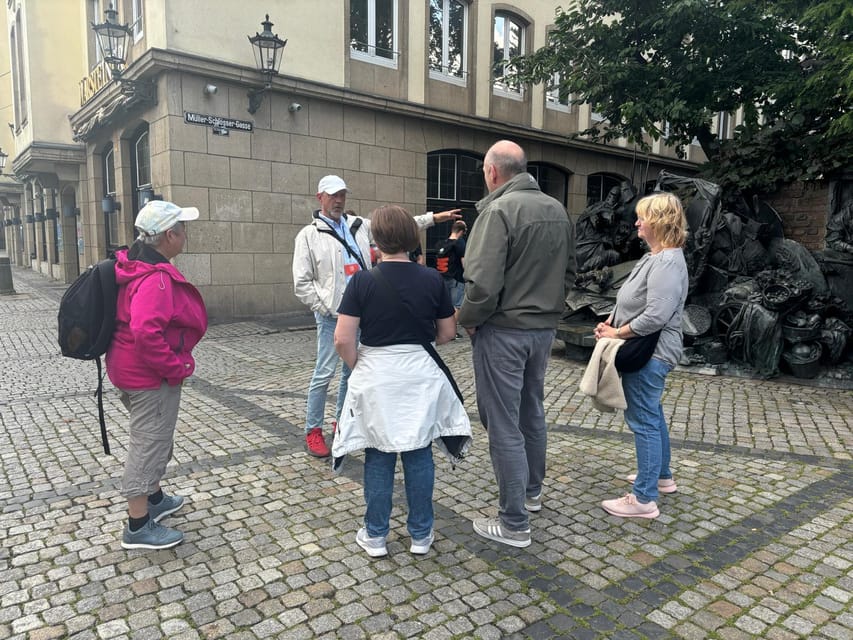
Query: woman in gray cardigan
(652,298)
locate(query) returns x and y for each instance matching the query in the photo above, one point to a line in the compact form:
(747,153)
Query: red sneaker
(316,443)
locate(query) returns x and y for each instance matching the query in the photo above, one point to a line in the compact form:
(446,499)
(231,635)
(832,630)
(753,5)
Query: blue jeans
(644,415)
(456,290)
(324,371)
(419,475)
(509,369)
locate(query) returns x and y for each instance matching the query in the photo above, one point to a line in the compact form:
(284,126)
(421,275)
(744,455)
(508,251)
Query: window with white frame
(142,156)
(111,217)
(552,180)
(97,18)
(508,41)
(557,96)
(19,76)
(598,185)
(448,24)
(373,31)
(136,17)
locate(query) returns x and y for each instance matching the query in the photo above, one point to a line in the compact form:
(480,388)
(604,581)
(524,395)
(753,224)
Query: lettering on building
(220,124)
(98,78)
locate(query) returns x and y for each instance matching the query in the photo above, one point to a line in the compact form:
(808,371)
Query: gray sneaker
(492,529)
(151,535)
(421,546)
(167,506)
(375,547)
(533,503)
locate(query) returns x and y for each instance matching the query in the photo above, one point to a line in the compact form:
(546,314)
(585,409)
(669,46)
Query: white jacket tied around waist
(398,400)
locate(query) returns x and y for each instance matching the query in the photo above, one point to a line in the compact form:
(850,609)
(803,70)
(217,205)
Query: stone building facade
(400,99)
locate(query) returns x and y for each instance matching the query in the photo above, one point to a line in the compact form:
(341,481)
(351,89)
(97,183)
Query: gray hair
(155,238)
(153,241)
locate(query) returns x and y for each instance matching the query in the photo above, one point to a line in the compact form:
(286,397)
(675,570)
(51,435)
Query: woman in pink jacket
(160,317)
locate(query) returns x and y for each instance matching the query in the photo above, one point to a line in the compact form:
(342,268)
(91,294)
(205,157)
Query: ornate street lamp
(3,157)
(112,41)
(268,49)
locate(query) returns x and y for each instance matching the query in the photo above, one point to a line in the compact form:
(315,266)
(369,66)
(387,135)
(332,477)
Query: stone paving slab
(756,542)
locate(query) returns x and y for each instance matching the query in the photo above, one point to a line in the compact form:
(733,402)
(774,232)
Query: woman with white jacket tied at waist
(398,399)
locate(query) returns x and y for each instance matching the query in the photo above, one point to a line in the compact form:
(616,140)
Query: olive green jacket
(520,259)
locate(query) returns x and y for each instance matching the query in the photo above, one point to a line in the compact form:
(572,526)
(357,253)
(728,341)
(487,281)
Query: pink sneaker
(664,485)
(628,507)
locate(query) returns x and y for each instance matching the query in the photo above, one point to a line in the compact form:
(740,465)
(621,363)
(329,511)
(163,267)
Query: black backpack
(442,257)
(87,317)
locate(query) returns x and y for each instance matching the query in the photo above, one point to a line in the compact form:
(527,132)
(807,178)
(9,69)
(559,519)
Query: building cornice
(155,61)
(42,157)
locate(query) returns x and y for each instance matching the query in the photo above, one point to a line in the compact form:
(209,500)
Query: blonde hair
(665,215)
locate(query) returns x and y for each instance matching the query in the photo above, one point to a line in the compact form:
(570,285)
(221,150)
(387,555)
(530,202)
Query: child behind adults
(398,399)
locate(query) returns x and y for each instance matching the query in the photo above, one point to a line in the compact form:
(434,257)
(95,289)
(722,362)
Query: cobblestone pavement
(758,541)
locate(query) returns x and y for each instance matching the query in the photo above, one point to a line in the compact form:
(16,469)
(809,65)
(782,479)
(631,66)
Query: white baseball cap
(331,185)
(158,215)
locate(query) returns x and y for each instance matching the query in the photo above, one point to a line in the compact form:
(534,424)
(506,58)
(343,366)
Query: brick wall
(803,207)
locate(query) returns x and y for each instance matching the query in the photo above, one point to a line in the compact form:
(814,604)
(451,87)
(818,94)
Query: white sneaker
(421,547)
(375,547)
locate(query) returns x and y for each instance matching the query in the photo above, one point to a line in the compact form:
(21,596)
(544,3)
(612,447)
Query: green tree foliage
(643,63)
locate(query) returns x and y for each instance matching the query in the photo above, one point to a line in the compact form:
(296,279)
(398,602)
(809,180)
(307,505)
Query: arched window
(508,41)
(142,157)
(110,217)
(454,181)
(140,161)
(552,180)
(599,184)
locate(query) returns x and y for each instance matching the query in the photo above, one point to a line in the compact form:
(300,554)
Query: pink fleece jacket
(160,317)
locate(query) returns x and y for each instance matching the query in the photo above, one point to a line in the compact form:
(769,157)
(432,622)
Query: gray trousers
(509,367)
(153,416)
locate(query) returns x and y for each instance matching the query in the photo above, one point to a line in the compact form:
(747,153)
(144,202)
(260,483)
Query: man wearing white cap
(160,317)
(327,253)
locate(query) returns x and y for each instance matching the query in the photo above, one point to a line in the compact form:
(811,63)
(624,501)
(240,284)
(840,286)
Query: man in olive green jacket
(519,266)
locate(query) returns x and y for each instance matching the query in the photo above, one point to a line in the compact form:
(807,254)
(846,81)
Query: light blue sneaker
(151,535)
(167,506)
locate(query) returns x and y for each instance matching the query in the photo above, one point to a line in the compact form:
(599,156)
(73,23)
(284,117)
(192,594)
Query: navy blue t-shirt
(382,322)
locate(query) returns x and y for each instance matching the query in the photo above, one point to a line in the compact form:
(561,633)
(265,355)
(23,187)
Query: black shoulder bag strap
(380,277)
(99,394)
(353,229)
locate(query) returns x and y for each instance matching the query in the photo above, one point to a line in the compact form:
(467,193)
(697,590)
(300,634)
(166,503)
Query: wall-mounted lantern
(113,41)
(268,49)
(3,157)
